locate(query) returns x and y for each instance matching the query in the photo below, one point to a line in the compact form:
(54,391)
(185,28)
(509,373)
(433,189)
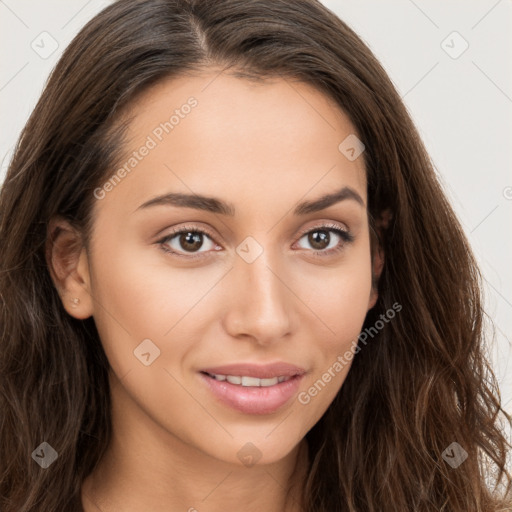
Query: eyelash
(346,236)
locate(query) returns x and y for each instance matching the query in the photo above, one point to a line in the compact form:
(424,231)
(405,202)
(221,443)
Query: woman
(230,279)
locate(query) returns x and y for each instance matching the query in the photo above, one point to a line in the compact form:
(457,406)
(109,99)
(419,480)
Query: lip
(267,371)
(253,399)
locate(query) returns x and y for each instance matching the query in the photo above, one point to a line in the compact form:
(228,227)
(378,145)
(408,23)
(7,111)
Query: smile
(249,381)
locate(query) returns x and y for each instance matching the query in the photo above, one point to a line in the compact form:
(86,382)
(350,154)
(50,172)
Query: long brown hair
(421,383)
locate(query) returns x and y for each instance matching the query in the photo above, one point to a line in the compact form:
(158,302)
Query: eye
(321,240)
(188,240)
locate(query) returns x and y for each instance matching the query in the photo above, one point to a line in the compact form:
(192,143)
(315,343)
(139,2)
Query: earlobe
(68,266)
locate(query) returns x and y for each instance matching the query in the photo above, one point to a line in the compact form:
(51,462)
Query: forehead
(216,134)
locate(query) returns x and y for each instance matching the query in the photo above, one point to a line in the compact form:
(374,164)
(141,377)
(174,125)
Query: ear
(67,262)
(378,256)
(377,265)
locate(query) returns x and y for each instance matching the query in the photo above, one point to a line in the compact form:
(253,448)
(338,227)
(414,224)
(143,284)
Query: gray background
(460,101)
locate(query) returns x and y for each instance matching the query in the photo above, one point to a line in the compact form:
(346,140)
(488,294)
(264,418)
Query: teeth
(268,382)
(250,381)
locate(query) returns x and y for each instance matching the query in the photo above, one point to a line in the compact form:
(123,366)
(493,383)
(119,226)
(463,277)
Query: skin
(263,148)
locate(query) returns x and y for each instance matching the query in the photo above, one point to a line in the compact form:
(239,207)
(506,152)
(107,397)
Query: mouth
(250,389)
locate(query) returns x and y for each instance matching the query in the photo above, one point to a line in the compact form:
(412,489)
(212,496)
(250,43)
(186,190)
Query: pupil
(319,239)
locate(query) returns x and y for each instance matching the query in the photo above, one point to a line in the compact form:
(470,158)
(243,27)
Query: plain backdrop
(451,63)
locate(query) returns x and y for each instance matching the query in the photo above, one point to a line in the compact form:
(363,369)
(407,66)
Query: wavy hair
(420,384)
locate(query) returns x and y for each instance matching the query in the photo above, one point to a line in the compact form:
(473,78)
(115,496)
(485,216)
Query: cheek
(339,296)
(339,300)
(142,296)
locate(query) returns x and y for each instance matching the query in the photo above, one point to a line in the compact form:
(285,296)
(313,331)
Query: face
(260,275)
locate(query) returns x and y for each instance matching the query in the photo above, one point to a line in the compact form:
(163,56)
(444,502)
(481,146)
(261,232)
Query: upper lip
(267,371)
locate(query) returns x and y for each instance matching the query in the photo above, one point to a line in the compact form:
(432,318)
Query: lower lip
(253,399)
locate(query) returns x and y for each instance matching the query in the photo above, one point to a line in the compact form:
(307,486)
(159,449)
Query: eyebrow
(214,205)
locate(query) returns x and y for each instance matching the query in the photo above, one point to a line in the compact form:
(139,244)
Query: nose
(260,303)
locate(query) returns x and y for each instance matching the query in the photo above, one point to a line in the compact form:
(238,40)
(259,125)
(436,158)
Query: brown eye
(187,242)
(190,240)
(319,239)
(327,239)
